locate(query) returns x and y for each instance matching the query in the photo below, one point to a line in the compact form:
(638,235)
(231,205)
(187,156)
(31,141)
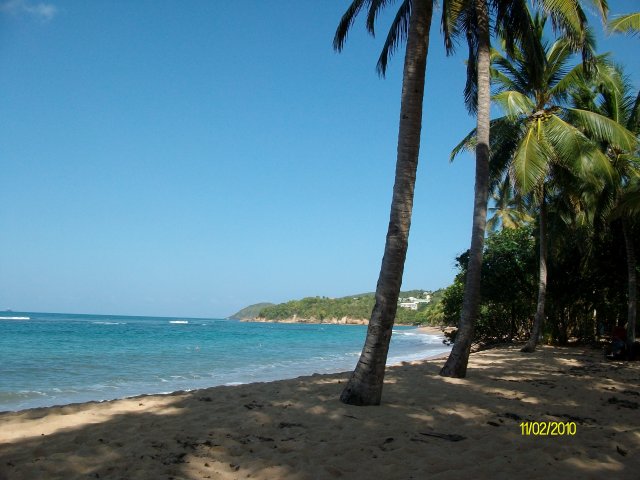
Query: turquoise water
(51,359)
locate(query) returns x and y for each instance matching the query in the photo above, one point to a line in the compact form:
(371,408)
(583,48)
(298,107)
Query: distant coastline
(415,307)
(312,320)
(439,331)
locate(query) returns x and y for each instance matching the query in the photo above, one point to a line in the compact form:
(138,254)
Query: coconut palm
(612,95)
(411,24)
(512,23)
(509,210)
(535,136)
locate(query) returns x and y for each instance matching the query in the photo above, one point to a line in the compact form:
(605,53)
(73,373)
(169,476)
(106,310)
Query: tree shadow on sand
(428,426)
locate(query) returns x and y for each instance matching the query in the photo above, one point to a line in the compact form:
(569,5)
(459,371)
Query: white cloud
(42,11)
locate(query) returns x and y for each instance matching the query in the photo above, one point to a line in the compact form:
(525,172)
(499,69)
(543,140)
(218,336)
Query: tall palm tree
(612,95)
(535,137)
(474,18)
(512,23)
(412,23)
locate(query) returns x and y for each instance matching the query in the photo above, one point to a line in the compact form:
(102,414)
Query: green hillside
(353,306)
(250,312)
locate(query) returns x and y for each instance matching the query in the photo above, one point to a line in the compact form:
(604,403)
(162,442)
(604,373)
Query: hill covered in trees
(250,312)
(350,309)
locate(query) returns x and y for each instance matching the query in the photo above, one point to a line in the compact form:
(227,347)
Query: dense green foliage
(353,306)
(586,294)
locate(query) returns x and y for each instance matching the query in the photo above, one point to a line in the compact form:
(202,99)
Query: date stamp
(551,429)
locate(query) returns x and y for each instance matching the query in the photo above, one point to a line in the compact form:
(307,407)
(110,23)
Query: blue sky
(191,158)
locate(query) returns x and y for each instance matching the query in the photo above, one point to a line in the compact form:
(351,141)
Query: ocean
(52,359)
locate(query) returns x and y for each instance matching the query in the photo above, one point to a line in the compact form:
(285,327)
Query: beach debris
(290,425)
(623,403)
(452,437)
(493,424)
(512,416)
(621,451)
(174,458)
(386,445)
(204,399)
(573,418)
(253,404)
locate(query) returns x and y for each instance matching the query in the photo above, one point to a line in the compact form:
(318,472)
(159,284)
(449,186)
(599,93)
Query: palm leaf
(634,118)
(467,144)
(583,157)
(629,23)
(346,22)
(604,129)
(530,162)
(374,8)
(398,33)
(565,15)
(514,104)
(452,11)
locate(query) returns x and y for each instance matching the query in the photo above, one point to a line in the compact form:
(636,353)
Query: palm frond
(530,162)
(505,135)
(513,25)
(398,33)
(374,9)
(467,144)
(452,12)
(566,15)
(629,201)
(582,157)
(346,22)
(634,118)
(514,104)
(629,23)
(604,129)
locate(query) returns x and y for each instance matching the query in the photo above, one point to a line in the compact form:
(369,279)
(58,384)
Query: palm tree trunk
(538,321)
(632,300)
(365,385)
(456,365)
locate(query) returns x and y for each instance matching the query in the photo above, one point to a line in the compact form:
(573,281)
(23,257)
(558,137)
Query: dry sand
(297,429)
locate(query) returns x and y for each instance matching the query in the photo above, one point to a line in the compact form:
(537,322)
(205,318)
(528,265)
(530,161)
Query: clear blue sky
(191,158)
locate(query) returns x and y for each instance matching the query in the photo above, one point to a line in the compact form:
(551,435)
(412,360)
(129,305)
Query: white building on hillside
(412,303)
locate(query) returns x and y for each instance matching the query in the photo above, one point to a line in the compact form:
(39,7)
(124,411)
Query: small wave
(178,321)
(30,392)
(15,318)
(109,323)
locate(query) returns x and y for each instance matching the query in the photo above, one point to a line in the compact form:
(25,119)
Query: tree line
(561,161)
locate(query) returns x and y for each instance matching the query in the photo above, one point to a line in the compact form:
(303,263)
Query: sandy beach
(428,427)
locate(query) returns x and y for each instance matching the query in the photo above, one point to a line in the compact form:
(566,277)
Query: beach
(428,426)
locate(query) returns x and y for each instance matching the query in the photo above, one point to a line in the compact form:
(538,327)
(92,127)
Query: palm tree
(512,23)
(412,23)
(534,138)
(611,94)
(509,210)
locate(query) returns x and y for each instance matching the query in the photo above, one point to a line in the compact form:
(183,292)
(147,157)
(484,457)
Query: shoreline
(297,429)
(62,403)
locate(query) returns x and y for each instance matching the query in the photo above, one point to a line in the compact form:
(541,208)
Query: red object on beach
(619,333)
